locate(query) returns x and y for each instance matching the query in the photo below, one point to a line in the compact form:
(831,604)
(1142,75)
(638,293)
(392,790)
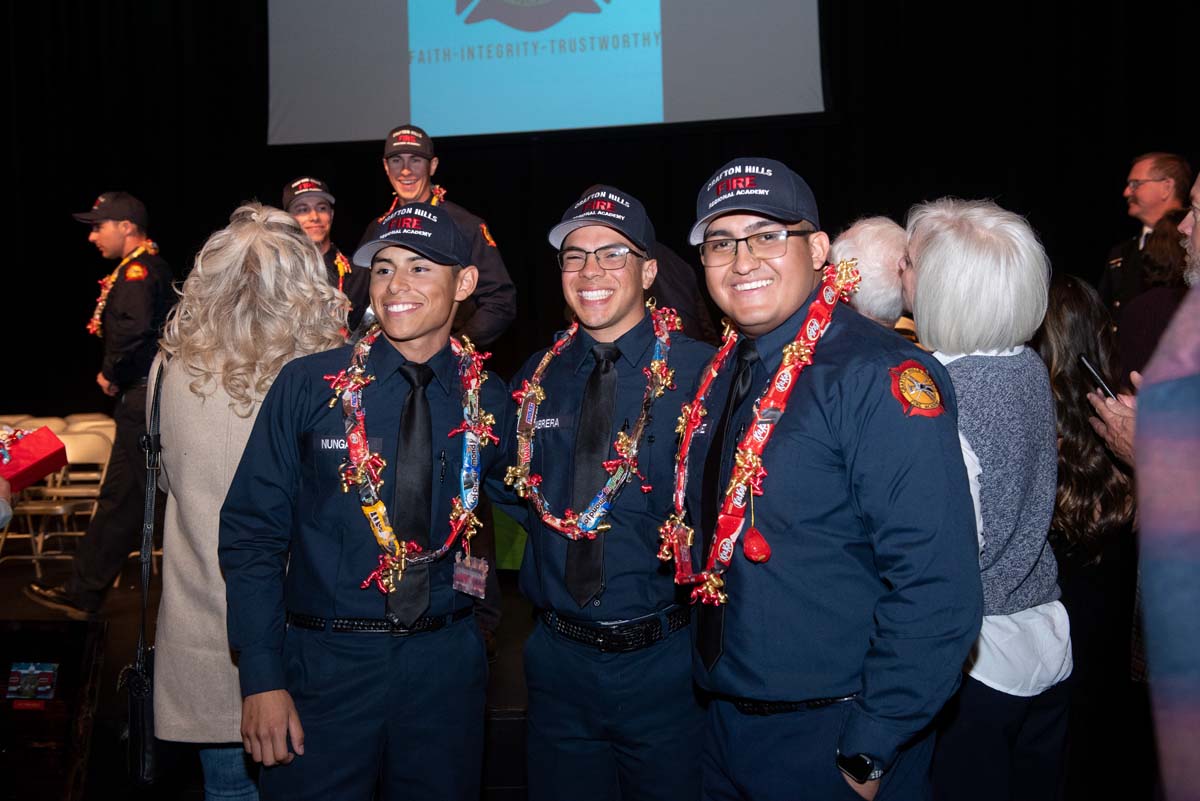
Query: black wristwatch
(859,767)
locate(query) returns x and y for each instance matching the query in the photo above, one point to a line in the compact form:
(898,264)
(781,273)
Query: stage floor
(504,759)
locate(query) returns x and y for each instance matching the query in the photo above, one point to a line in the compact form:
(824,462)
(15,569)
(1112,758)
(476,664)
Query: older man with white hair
(878,244)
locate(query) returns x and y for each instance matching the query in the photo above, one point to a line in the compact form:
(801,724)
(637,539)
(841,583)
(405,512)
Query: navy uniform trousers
(790,757)
(611,725)
(385,717)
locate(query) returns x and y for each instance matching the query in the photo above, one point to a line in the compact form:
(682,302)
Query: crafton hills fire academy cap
(116,206)
(421,228)
(408,139)
(308,187)
(610,207)
(757,185)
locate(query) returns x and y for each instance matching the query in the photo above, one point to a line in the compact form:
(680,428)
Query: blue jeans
(228,774)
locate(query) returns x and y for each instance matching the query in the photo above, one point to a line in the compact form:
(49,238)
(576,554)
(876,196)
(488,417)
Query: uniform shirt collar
(947,358)
(632,344)
(386,360)
(770,345)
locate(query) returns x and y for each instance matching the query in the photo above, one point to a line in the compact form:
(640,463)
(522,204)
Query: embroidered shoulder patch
(487,235)
(135,272)
(914,388)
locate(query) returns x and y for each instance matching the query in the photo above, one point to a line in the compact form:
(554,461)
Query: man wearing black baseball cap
(309,200)
(611,707)
(133,304)
(834,550)
(410,163)
(359,493)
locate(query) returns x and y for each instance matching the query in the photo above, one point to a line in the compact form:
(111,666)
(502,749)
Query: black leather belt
(622,636)
(344,625)
(750,706)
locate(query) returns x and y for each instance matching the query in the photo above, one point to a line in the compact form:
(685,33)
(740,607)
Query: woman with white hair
(256,298)
(981,284)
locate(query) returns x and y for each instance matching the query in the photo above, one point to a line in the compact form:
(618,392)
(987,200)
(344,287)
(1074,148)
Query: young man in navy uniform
(362,673)
(309,200)
(837,557)
(612,712)
(409,161)
(133,304)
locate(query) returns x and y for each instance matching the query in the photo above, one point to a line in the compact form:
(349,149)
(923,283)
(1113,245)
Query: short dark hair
(1173,166)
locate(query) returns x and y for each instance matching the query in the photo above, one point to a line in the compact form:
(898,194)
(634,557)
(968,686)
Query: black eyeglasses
(1134,183)
(609,257)
(767,245)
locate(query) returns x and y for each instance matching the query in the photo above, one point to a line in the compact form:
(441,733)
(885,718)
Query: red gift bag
(33,457)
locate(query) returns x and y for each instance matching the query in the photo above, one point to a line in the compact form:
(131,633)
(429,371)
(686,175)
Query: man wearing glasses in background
(1158,184)
(835,554)
(612,713)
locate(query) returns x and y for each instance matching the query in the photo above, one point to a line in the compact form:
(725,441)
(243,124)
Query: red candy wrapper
(33,457)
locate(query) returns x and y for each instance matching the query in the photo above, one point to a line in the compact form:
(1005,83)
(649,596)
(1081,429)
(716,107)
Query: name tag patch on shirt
(325,443)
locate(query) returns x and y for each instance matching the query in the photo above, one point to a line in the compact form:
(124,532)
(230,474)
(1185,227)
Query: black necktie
(411,499)
(585,558)
(711,623)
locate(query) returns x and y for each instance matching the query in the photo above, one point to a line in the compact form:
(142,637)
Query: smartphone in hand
(1096,377)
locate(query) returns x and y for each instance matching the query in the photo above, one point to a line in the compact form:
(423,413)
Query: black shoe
(59,599)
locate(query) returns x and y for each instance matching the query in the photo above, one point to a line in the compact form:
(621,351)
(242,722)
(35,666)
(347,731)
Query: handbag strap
(152,446)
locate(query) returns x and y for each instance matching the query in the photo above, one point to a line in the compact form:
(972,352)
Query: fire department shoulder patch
(914,388)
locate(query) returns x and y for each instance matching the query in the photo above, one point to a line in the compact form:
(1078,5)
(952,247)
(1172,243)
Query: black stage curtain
(1037,104)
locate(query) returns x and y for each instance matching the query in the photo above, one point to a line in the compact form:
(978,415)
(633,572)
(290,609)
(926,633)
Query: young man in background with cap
(311,203)
(612,712)
(836,555)
(363,675)
(133,304)
(409,163)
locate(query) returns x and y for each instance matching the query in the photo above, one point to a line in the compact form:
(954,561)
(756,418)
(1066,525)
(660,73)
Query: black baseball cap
(610,207)
(757,185)
(419,227)
(116,206)
(408,139)
(306,185)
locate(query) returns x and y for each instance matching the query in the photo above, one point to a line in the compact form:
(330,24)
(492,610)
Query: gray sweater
(1006,412)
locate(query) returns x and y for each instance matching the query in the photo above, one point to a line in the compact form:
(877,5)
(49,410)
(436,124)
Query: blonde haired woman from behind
(257,297)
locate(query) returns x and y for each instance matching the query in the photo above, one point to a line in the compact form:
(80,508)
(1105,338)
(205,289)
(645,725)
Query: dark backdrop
(1038,105)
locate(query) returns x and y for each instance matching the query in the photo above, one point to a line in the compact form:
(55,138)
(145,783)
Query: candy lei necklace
(746,478)
(363,469)
(95,325)
(590,522)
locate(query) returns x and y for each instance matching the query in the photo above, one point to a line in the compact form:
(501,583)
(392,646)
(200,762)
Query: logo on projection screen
(527,15)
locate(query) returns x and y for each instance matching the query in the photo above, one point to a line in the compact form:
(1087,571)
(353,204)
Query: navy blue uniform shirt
(133,319)
(292,541)
(873,583)
(636,583)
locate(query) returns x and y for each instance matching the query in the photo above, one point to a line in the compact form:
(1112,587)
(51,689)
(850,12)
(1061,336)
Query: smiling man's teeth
(396,308)
(595,294)
(753,285)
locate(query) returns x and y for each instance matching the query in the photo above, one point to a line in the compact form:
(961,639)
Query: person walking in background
(134,300)
(256,298)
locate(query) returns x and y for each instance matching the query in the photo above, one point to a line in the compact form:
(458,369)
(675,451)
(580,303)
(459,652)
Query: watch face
(857,766)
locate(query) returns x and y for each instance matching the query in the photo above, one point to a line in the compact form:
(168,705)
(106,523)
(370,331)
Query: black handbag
(137,679)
